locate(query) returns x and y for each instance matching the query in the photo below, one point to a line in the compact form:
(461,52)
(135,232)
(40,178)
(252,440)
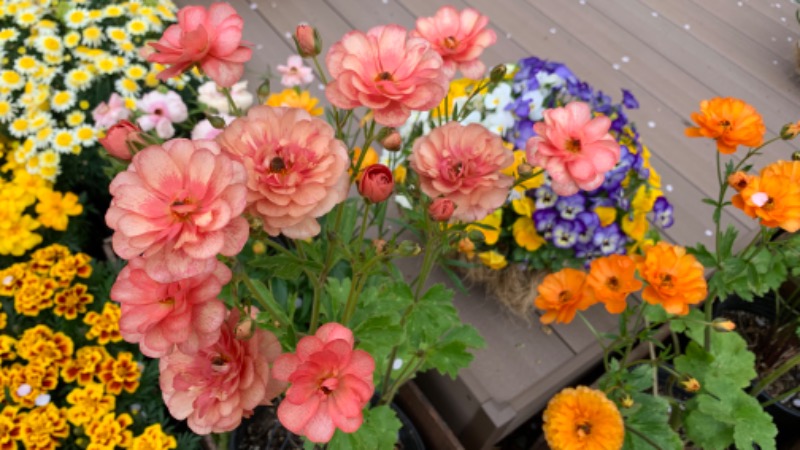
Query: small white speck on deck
(553,30)
(654,14)
(288,35)
(709,233)
(651,124)
(626,59)
(253,6)
(508,35)
(686,26)
(668,188)
(615,66)
(321,87)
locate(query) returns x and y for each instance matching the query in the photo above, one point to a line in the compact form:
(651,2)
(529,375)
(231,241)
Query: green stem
(775,374)
(261,300)
(231,104)
(781,397)
(352,296)
(408,372)
(326,267)
(224,440)
(642,436)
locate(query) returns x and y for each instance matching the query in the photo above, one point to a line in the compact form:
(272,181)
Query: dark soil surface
(263,431)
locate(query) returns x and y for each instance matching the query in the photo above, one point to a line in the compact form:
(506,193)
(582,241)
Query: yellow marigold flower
(7,345)
(104,326)
(583,418)
(70,266)
(54,209)
(493,260)
(20,237)
(491,228)
(40,345)
(43,428)
(83,368)
(10,427)
(110,432)
(369,159)
(44,258)
(89,404)
(11,279)
(35,295)
(121,373)
(154,438)
(72,301)
(290,98)
(28,382)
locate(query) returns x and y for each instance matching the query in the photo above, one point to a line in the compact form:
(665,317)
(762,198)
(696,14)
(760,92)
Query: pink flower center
(158,112)
(450,43)
(573,145)
(383,76)
(182,210)
(277,165)
(169,301)
(329,385)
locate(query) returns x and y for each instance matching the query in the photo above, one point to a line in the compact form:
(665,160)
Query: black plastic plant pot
(276,437)
(787,419)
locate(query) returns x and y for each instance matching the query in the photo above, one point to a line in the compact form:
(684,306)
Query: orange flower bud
(259,248)
(392,141)
(739,180)
(376,183)
(627,401)
(244,329)
(307,40)
(441,209)
(691,384)
(723,325)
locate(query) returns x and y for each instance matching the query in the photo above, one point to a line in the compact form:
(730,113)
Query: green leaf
(726,242)
(335,298)
(706,432)
(703,255)
(451,354)
(378,432)
(650,417)
(263,294)
(729,362)
(284,266)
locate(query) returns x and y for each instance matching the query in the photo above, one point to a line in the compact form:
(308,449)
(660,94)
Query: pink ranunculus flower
(160,316)
(106,115)
(296,168)
(217,386)
(330,384)
(387,71)
(205,131)
(463,164)
(161,111)
(179,205)
(210,95)
(459,38)
(575,149)
(210,38)
(294,73)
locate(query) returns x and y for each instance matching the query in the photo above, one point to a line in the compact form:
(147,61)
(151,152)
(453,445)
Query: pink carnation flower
(296,169)
(159,316)
(463,164)
(161,111)
(459,38)
(179,205)
(209,38)
(385,70)
(294,73)
(214,388)
(105,115)
(330,384)
(575,149)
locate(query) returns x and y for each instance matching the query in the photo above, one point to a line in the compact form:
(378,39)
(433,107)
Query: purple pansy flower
(662,210)
(566,232)
(629,100)
(545,197)
(609,240)
(544,220)
(570,206)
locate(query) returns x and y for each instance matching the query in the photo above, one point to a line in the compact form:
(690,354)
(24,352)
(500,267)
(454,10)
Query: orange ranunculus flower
(675,279)
(562,294)
(773,197)
(583,418)
(613,278)
(740,180)
(729,121)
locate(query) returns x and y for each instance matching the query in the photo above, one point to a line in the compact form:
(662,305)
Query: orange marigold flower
(43,428)
(613,278)
(105,326)
(10,427)
(7,344)
(67,268)
(675,279)
(83,368)
(35,295)
(40,345)
(740,180)
(583,418)
(44,258)
(562,294)
(773,197)
(110,431)
(28,382)
(88,404)
(12,278)
(121,373)
(729,121)
(73,301)
(153,438)
(3,320)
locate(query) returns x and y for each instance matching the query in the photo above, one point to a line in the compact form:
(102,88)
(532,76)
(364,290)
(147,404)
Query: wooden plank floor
(670,53)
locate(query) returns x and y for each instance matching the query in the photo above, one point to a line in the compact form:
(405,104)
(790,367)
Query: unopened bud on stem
(498,72)
(390,139)
(217,122)
(308,41)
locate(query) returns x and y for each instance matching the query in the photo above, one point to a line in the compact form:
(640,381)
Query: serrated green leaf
(729,361)
(707,433)
(378,432)
(703,255)
(726,242)
(335,297)
(650,418)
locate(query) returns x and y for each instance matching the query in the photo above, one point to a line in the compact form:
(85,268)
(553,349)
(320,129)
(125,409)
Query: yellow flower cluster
(49,382)
(295,98)
(27,203)
(54,53)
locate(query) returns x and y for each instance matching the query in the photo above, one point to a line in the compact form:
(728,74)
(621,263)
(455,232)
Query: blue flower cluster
(571,222)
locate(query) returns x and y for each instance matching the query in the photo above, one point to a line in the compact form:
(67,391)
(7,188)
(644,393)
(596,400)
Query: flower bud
(390,139)
(627,401)
(263,91)
(244,329)
(723,325)
(217,122)
(497,73)
(739,180)
(259,248)
(525,169)
(376,183)
(441,209)
(408,248)
(796,156)
(380,245)
(121,139)
(790,131)
(691,384)
(307,40)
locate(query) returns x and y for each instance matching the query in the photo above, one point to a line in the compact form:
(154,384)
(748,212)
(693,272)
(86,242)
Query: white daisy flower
(39,119)
(127,87)
(92,36)
(112,11)
(26,17)
(43,137)
(24,152)
(49,173)
(62,101)
(49,158)
(76,18)
(106,65)
(78,79)
(19,127)
(64,141)
(26,64)
(72,39)
(137,27)
(117,34)
(7,109)
(135,71)
(11,79)
(75,118)
(32,165)
(8,35)
(49,45)
(86,135)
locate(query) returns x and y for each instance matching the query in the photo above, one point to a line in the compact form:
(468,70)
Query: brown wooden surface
(670,53)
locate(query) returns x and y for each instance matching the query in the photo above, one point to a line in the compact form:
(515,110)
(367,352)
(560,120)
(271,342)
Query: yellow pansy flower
(493,221)
(493,260)
(607,214)
(525,234)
